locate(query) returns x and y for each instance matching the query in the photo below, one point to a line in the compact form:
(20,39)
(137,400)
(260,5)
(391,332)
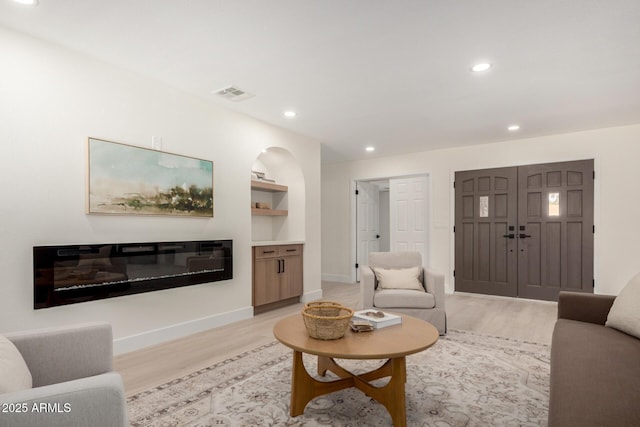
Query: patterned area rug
(465,379)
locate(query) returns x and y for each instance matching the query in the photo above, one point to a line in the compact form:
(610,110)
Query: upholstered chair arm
(60,354)
(96,401)
(367,286)
(434,284)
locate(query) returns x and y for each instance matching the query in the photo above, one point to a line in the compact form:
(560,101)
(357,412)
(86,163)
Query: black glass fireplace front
(77,273)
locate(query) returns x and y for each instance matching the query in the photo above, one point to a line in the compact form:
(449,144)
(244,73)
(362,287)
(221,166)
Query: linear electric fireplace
(77,273)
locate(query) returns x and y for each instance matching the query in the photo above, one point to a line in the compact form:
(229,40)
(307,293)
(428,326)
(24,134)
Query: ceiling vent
(233,93)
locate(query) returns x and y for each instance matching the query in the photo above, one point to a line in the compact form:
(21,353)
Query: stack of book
(378,319)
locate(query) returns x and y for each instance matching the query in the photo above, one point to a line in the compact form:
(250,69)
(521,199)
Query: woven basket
(326,320)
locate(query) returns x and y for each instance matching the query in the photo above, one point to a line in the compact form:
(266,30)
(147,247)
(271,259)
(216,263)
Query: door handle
(509,236)
(283,266)
(377,236)
(524,236)
(279,267)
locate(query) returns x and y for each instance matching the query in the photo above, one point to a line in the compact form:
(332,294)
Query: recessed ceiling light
(480,67)
(27,2)
(370,149)
(290,114)
(513,128)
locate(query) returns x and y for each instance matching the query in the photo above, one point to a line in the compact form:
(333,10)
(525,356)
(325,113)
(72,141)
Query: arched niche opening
(278,166)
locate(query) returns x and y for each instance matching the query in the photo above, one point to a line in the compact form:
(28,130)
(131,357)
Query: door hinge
(594,230)
(454,228)
(357,265)
(593,283)
(454,273)
(357,192)
(454,184)
(594,174)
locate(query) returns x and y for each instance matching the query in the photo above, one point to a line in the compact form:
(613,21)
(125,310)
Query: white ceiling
(389,73)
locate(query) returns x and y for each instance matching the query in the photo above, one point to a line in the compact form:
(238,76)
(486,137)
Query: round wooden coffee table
(393,343)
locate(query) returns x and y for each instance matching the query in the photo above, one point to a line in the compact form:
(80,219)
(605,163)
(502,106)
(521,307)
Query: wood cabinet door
(291,277)
(266,281)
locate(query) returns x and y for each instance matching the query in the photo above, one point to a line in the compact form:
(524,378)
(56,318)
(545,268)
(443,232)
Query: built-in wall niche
(277,197)
(268,198)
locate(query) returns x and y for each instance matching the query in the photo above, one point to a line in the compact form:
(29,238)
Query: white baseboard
(157,336)
(341,278)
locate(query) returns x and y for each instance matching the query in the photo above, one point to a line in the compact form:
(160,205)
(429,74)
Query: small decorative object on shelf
(377,319)
(326,320)
(260,176)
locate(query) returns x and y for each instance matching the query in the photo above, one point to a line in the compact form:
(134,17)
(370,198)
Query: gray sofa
(595,370)
(72,370)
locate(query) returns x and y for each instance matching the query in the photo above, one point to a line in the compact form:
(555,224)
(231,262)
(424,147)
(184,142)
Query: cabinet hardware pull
(268,252)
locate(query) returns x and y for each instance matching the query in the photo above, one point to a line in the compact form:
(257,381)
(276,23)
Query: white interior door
(383,241)
(368,222)
(408,203)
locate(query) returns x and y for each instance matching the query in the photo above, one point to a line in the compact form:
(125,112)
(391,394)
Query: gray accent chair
(69,365)
(427,306)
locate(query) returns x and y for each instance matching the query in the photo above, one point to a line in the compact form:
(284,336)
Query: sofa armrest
(97,401)
(60,354)
(367,286)
(434,284)
(583,307)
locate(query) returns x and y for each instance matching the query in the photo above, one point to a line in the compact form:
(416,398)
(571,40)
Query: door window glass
(484,206)
(554,204)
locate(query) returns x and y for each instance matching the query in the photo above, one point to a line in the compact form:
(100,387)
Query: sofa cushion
(594,376)
(399,278)
(14,373)
(625,311)
(403,298)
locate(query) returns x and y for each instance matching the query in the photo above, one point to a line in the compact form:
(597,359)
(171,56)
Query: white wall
(616,152)
(51,100)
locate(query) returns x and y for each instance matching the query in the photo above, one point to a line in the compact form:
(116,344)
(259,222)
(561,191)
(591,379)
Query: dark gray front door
(525,231)
(486,211)
(555,221)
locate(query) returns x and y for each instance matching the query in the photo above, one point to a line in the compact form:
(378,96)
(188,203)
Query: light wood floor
(507,317)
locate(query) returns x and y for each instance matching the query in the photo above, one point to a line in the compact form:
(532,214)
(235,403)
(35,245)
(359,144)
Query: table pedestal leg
(391,395)
(304,387)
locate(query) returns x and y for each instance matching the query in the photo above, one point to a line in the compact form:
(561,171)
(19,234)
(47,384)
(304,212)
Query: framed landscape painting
(129,180)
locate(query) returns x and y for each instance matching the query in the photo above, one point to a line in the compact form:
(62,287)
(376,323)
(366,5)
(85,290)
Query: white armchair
(425,301)
(73,379)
